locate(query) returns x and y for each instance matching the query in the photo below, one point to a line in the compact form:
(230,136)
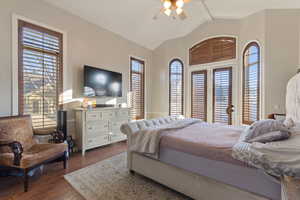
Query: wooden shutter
(176,72)
(137,85)
(222,95)
(251,83)
(213,50)
(199,94)
(40,73)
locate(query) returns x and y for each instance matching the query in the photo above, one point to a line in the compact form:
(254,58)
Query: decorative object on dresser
(99,126)
(19,152)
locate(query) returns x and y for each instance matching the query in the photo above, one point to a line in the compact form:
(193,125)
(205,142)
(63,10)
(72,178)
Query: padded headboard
(293,99)
(131,127)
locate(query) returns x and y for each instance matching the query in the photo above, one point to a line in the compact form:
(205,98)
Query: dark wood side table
(291,189)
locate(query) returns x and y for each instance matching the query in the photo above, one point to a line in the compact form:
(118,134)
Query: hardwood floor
(51,184)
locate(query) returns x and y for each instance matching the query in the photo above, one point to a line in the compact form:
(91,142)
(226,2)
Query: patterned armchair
(19,151)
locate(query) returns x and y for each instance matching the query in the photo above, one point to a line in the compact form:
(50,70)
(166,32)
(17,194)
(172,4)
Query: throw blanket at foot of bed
(147,140)
(276,158)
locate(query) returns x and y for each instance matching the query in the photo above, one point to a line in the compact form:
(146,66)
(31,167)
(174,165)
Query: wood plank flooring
(51,184)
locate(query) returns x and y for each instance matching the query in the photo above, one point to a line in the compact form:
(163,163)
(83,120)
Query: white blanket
(276,158)
(146,141)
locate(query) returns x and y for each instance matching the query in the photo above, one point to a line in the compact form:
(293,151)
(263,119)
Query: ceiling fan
(174,9)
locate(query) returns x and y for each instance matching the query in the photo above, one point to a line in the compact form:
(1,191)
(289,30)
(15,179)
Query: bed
(200,165)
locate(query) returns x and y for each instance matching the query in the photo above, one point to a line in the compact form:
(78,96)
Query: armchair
(19,151)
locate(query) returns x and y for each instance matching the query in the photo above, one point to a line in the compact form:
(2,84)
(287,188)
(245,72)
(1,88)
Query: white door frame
(235,86)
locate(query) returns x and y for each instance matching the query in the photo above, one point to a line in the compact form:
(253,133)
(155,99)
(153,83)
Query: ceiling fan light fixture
(179,11)
(167,4)
(168,11)
(179,3)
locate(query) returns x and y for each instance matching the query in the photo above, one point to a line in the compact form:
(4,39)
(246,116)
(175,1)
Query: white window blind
(222,95)
(137,84)
(176,72)
(40,73)
(199,95)
(251,83)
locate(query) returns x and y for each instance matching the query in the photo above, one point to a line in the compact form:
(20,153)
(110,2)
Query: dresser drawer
(97,126)
(97,141)
(115,125)
(108,114)
(93,116)
(117,137)
(124,113)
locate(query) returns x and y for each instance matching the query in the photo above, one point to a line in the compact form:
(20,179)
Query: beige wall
(282,55)
(86,44)
(277,31)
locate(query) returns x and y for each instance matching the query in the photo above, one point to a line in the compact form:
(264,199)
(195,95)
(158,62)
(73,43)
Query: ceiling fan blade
(182,15)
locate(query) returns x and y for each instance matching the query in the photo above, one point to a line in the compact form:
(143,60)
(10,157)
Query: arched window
(251,83)
(176,72)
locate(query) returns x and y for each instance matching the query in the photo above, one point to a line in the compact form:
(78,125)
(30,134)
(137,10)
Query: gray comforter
(146,141)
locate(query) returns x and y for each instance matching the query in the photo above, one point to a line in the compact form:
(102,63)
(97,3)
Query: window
(213,50)
(176,72)
(137,83)
(40,73)
(251,83)
(199,95)
(222,95)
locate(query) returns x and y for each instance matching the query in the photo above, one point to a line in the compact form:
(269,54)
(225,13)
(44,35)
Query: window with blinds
(176,72)
(222,95)
(40,73)
(213,50)
(199,95)
(137,84)
(251,83)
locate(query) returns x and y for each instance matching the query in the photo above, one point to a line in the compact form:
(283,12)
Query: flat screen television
(102,83)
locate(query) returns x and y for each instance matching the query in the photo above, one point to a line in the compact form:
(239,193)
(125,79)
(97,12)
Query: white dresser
(99,126)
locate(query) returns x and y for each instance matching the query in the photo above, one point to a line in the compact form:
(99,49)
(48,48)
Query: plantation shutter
(222,95)
(40,73)
(213,50)
(251,83)
(199,95)
(137,82)
(176,87)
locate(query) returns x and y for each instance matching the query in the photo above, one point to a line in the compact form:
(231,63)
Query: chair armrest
(5,142)
(16,148)
(44,131)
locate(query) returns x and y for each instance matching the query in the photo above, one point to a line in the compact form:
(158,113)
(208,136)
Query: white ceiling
(133,19)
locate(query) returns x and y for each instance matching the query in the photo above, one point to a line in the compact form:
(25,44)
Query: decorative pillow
(271,137)
(262,127)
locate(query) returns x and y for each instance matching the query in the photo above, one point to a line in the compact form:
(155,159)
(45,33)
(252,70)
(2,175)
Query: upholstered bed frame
(201,185)
(206,185)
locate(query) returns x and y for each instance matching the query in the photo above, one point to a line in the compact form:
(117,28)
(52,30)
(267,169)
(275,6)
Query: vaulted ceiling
(133,19)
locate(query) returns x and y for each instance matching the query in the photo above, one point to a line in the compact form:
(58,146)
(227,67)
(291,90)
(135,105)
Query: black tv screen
(102,83)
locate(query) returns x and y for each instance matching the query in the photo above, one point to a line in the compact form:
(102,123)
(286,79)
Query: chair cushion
(37,154)
(16,129)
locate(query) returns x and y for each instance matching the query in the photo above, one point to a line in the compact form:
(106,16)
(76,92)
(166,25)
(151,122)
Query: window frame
(230,93)
(182,86)
(18,90)
(248,46)
(143,83)
(205,73)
